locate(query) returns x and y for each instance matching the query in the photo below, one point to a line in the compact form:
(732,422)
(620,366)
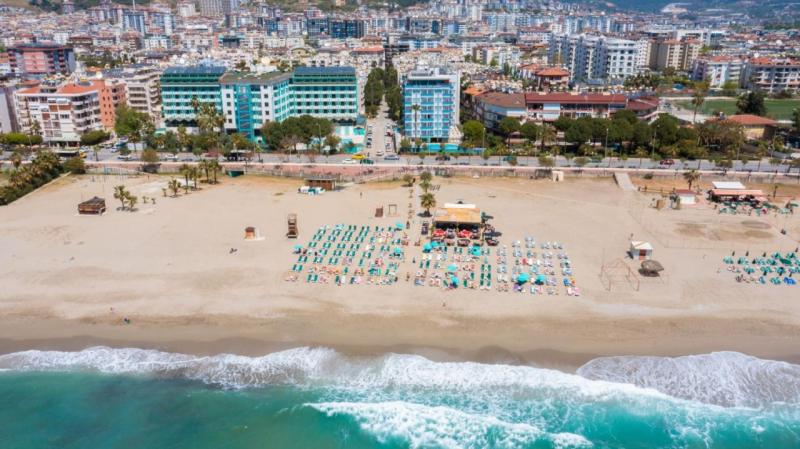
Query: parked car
(391,157)
(667,162)
(349,161)
(358,157)
(442,157)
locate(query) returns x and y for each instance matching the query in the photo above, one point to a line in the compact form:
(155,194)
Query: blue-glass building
(327,92)
(179,85)
(430,104)
(249,100)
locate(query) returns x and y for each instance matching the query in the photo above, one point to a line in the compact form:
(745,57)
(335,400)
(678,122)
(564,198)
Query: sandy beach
(68,280)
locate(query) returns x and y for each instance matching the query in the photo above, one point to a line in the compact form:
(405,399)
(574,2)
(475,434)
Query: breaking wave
(422,426)
(728,379)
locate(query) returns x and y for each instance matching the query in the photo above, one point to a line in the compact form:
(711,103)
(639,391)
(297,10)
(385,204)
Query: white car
(349,161)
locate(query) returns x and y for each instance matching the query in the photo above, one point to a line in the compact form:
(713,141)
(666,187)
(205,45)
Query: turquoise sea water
(317,398)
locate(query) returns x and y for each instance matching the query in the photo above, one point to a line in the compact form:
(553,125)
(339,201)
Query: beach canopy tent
(458,216)
(640,250)
(734,194)
(728,185)
(651,267)
(523,278)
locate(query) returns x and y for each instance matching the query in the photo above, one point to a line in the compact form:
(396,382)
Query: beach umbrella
(541,279)
(398,251)
(399,226)
(476,251)
(434,245)
(452,268)
(454,280)
(426,248)
(523,278)
(298,247)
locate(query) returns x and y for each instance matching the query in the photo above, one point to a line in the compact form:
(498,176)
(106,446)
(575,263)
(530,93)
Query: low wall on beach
(382,172)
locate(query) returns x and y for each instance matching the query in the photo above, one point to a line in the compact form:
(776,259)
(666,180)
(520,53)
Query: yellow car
(358,156)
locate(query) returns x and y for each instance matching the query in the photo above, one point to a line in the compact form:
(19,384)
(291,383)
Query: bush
(94,137)
(75,165)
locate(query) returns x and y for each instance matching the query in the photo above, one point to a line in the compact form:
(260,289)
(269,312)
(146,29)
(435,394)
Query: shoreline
(543,348)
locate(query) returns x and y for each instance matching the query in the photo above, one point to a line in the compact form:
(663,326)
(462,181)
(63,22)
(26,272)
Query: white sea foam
(321,366)
(720,378)
(443,427)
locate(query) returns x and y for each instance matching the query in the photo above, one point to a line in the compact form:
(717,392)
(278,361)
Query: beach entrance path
(624,182)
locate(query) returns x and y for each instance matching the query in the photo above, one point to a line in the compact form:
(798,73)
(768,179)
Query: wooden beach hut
(326,182)
(94,206)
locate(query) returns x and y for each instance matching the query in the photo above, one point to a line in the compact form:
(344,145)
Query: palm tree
(427,201)
(121,194)
(415,108)
(204,166)
(132,200)
(548,135)
(691,177)
(175,186)
(185,170)
(699,97)
(214,166)
(425,186)
(194,173)
(426,176)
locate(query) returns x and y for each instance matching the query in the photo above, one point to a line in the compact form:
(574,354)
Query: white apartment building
(772,75)
(718,70)
(594,57)
(63,112)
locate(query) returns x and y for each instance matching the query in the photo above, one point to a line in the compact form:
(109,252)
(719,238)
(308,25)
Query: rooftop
(253,78)
(317,71)
(195,70)
(503,100)
(564,97)
(751,120)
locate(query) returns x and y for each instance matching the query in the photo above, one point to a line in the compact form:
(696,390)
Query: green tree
(691,177)
(508,126)
(426,176)
(150,156)
(75,165)
(752,103)
(121,194)
(94,137)
(796,120)
(530,131)
(132,124)
(698,98)
(473,133)
(428,202)
(405,145)
(546,161)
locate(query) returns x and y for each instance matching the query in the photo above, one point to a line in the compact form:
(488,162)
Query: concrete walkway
(624,181)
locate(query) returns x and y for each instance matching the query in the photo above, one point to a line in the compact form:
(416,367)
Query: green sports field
(777,109)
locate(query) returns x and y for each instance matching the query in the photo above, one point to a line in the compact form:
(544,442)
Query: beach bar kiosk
(641,250)
(326,182)
(458,216)
(94,206)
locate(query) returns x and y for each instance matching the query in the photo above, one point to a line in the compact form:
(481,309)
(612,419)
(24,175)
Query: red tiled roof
(561,97)
(503,100)
(372,49)
(552,71)
(751,120)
